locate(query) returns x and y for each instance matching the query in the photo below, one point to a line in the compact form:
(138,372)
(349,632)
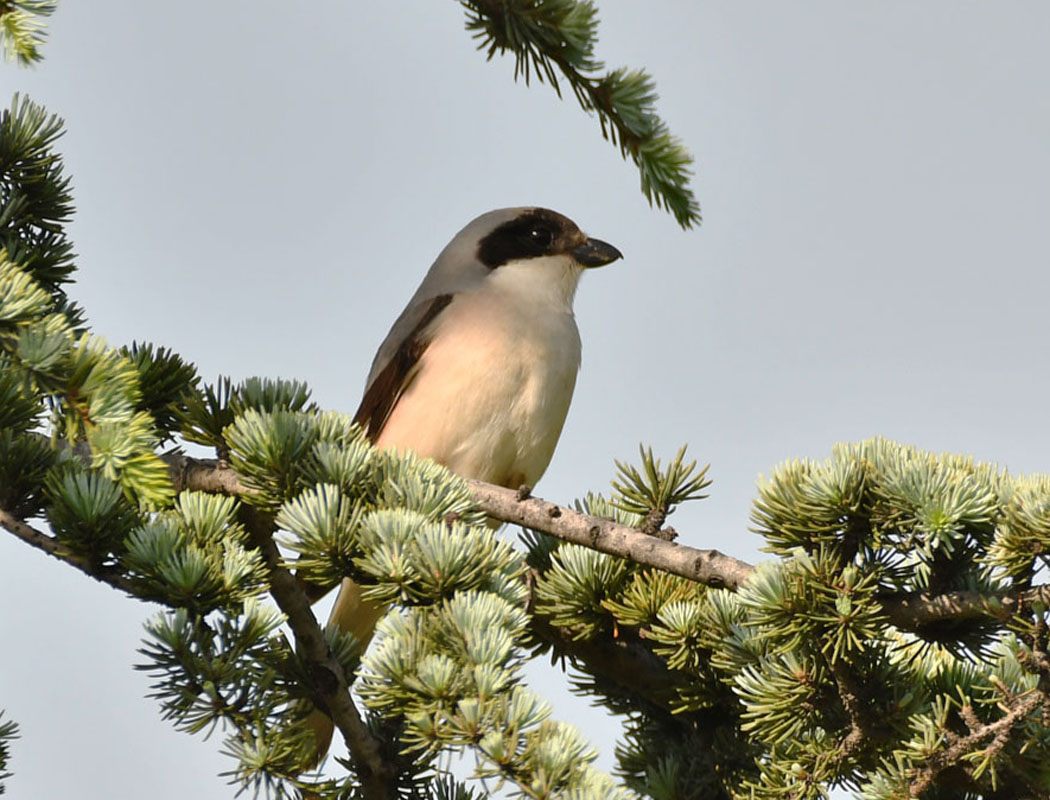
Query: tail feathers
(321,726)
(357,615)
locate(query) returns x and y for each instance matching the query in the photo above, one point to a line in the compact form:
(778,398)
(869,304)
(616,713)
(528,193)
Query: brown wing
(390,383)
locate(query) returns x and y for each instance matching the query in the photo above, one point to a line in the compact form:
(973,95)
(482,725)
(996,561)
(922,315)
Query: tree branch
(330,689)
(623,100)
(959,746)
(917,610)
(709,567)
(203,475)
(54,548)
(850,695)
(626,665)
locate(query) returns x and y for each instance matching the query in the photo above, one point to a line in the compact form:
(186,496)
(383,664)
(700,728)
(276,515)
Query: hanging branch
(559,36)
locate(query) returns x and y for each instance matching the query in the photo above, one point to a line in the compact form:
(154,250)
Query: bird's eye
(541,236)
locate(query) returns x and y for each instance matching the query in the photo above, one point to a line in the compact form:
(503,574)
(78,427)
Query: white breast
(494,386)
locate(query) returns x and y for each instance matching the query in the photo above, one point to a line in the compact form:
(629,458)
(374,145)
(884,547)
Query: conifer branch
(330,688)
(958,746)
(53,547)
(627,665)
(712,568)
(329,685)
(709,567)
(559,36)
(8,732)
(849,692)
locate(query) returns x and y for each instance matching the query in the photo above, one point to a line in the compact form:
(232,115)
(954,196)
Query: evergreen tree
(895,643)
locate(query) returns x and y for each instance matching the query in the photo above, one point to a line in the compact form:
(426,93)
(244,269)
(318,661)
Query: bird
(478,371)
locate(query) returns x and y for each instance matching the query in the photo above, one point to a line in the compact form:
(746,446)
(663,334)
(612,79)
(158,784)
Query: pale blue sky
(261,188)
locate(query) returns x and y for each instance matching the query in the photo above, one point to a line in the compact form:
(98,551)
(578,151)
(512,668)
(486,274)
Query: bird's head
(529,251)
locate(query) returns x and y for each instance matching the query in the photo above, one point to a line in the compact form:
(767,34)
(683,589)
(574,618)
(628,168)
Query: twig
(53,547)
(849,692)
(959,746)
(330,689)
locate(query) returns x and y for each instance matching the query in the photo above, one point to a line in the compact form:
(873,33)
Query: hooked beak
(595,253)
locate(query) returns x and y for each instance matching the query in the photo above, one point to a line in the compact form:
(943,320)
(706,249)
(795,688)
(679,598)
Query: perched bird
(478,371)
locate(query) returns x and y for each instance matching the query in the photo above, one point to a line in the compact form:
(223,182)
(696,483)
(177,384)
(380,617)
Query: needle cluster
(22,31)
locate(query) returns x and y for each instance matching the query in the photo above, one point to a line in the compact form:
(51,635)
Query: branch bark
(917,610)
(850,695)
(203,475)
(959,746)
(331,691)
(709,567)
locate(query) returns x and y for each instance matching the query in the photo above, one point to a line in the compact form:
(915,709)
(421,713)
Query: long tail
(354,613)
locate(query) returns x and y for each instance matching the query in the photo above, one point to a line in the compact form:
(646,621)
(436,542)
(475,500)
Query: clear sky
(261,185)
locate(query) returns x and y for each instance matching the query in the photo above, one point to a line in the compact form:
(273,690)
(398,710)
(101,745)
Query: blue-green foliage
(758,679)
(557,38)
(409,531)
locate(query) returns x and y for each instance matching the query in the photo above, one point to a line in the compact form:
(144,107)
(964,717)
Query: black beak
(595,253)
